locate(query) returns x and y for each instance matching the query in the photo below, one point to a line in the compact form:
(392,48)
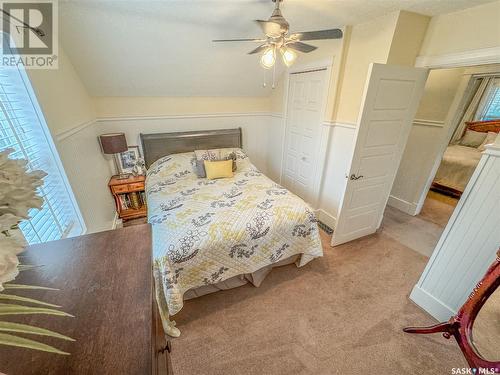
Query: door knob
(354,177)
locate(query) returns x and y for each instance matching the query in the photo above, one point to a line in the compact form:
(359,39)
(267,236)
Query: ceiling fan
(277,38)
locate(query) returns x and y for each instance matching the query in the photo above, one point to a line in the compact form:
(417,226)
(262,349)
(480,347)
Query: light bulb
(268,58)
(288,56)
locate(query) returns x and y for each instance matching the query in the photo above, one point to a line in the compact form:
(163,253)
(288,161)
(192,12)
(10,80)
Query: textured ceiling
(164,48)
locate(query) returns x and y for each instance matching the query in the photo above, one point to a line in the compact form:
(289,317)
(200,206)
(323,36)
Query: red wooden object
(460,325)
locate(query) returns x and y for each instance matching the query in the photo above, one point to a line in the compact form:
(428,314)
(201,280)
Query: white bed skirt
(255,278)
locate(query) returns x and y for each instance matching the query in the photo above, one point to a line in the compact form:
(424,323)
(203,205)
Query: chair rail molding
(68,133)
(338,124)
(460,59)
(424,122)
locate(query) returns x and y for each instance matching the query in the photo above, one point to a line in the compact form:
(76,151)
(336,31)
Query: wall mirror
(476,327)
(486,329)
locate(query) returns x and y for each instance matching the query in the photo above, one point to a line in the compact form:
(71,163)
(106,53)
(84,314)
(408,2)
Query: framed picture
(129,158)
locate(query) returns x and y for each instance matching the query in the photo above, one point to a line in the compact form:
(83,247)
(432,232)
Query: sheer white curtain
(480,88)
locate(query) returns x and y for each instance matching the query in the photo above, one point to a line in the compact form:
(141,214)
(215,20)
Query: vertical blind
(23,128)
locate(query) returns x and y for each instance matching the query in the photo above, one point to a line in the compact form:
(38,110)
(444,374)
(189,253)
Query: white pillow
(472,139)
(490,138)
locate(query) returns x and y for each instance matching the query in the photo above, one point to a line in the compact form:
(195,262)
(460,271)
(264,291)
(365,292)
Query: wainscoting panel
(338,161)
(88,173)
(255,129)
(89,170)
(467,246)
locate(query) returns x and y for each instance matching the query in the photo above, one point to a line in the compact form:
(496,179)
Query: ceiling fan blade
(318,35)
(271,29)
(239,40)
(259,49)
(301,47)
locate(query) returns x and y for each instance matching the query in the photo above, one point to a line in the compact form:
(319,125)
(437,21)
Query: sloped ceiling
(164,48)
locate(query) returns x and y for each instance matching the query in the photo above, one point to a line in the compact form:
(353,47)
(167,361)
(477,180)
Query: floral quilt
(206,231)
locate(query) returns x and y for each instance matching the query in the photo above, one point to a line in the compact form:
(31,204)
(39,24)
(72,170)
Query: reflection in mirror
(486,329)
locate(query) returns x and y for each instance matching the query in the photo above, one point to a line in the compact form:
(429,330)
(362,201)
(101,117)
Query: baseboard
(326,218)
(431,304)
(116,221)
(402,205)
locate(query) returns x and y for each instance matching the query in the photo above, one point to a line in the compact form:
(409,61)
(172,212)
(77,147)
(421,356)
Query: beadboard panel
(88,173)
(255,128)
(467,246)
(338,161)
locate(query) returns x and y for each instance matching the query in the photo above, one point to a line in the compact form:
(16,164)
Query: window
(490,106)
(23,128)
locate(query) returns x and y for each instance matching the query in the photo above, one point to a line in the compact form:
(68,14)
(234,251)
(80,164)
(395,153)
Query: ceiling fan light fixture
(268,58)
(289,56)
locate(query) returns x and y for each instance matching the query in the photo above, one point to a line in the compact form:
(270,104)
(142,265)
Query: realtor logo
(29,34)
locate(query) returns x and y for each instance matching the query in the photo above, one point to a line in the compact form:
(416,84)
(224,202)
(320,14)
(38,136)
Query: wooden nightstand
(130,197)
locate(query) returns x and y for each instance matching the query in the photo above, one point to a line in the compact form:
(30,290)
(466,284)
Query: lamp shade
(113,143)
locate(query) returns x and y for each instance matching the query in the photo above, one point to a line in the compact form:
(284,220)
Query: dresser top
(105,282)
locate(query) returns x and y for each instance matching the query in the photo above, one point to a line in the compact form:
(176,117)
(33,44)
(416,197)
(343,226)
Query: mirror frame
(460,325)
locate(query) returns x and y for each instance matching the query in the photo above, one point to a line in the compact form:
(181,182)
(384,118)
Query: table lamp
(114,143)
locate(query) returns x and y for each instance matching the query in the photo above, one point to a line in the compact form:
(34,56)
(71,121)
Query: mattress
(209,231)
(457,166)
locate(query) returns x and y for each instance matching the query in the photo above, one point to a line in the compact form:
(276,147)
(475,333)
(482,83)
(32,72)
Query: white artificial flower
(18,188)
(7,221)
(9,248)
(18,194)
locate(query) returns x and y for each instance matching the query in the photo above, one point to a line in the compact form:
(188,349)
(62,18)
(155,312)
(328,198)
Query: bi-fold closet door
(305,107)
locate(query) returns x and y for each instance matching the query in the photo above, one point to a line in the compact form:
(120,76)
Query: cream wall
(130,106)
(370,42)
(407,39)
(66,106)
(440,89)
(465,30)
(62,96)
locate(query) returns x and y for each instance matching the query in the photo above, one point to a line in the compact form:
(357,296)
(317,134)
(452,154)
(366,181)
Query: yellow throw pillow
(219,169)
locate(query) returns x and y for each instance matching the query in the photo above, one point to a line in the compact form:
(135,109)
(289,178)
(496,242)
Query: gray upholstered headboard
(156,146)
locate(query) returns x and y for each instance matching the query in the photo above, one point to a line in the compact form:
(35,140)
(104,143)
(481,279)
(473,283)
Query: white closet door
(303,126)
(391,99)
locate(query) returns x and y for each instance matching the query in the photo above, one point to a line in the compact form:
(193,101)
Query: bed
(459,162)
(217,234)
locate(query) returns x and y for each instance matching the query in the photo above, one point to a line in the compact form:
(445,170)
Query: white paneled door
(303,127)
(390,101)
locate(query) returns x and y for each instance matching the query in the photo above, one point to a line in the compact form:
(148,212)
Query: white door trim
(451,118)
(325,64)
(460,59)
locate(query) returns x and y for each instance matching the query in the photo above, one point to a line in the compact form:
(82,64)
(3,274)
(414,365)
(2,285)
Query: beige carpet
(438,208)
(341,314)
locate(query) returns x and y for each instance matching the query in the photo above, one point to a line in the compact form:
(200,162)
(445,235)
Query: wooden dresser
(105,281)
